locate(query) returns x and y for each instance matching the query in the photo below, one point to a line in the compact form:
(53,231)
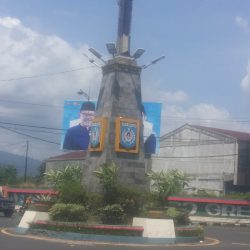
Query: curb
(10,232)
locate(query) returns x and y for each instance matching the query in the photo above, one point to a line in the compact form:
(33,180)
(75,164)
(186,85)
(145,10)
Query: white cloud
(174,116)
(175,97)
(242,23)
(24,53)
(9,22)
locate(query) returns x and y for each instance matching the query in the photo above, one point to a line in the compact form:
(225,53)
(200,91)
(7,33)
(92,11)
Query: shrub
(107,175)
(86,229)
(95,202)
(166,183)
(237,195)
(68,212)
(179,215)
(130,199)
(73,192)
(56,177)
(197,231)
(112,214)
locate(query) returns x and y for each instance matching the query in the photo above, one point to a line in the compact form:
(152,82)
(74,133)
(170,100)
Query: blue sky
(205,78)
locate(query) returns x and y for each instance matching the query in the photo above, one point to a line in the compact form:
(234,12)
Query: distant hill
(19,162)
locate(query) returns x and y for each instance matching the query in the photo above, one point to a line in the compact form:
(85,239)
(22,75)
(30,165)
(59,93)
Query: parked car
(7,206)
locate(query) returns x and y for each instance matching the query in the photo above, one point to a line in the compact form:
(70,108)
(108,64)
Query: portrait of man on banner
(78,135)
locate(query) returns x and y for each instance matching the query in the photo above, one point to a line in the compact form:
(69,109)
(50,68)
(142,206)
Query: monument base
(156,228)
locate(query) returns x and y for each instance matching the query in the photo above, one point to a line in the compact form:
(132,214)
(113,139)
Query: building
(217,160)
(73,158)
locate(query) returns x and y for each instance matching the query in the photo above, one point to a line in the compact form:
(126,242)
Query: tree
(41,171)
(167,183)
(8,174)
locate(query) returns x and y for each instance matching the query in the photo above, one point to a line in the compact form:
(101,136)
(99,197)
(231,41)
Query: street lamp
(81,92)
(97,54)
(91,60)
(111,49)
(138,53)
(153,62)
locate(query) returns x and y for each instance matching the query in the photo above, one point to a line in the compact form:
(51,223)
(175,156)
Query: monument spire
(118,128)
(124,25)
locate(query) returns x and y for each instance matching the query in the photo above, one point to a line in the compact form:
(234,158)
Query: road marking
(241,244)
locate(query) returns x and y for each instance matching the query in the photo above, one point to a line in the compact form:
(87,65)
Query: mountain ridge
(18,161)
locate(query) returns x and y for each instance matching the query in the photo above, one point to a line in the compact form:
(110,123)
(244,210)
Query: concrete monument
(120,106)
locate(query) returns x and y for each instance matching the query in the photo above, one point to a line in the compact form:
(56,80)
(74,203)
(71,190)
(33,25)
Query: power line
(38,131)
(30,126)
(161,117)
(30,103)
(33,137)
(44,75)
(11,144)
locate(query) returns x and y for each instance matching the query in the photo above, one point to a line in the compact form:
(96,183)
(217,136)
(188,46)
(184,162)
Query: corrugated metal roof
(73,155)
(235,134)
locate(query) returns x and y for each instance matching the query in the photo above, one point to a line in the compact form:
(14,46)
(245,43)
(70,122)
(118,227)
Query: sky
(204,79)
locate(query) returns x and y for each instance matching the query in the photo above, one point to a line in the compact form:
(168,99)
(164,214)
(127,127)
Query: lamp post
(153,62)
(81,92)
(26,161)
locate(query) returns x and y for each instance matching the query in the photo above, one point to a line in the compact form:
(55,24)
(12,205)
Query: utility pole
(26,161)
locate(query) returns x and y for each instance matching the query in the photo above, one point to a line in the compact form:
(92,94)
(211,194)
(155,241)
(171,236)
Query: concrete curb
(11,232)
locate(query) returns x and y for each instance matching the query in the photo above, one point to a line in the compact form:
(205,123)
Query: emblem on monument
(127,135)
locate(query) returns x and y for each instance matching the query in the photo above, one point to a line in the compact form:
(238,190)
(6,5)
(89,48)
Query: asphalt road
(230,238)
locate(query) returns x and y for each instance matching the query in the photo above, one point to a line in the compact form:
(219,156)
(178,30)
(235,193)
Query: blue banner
(151,113)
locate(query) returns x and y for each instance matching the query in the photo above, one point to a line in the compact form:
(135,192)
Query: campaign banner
(72,115)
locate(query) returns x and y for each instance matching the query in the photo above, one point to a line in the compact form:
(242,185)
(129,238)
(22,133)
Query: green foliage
(40,177)
(112,214)
(95,201)
(86,229)
(68,212)
(205,193)
(8,175)
(72,192)
(238,195)
(58,177)
(107,174)
(45,198)
(179,215)
(130,199)
(193,231)
(167,183)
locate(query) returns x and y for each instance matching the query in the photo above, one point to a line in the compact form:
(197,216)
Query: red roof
(73,155)
(235,134)
(31,191)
